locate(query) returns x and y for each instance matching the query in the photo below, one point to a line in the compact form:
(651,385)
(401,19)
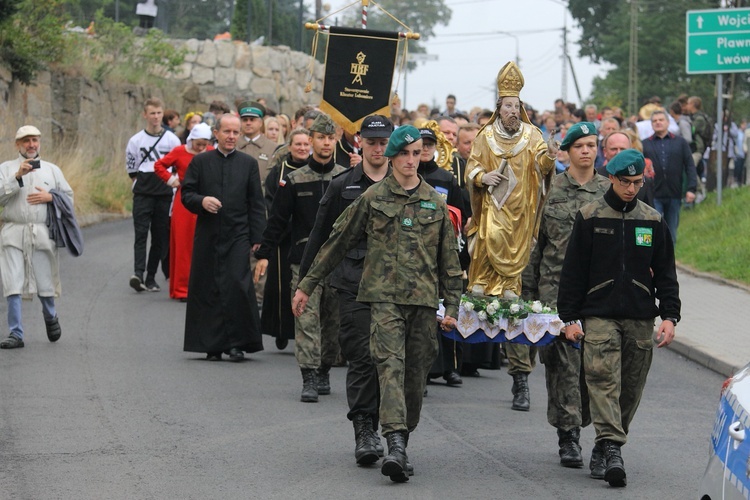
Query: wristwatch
(673,320)
(568,323)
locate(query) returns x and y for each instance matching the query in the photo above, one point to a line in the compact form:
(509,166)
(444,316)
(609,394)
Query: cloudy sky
(471,50)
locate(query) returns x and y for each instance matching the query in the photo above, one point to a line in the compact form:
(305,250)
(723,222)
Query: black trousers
(362,389)
(150,213)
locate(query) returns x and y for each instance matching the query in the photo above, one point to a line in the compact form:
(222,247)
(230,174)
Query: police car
(728,472)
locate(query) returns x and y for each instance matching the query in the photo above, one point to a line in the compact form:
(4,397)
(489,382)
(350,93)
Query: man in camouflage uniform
(411,261)
(619,259)
(362,392)
(567,399)
(295,205)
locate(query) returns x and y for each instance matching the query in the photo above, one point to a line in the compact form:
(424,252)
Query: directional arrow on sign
(700,22)
(701,52)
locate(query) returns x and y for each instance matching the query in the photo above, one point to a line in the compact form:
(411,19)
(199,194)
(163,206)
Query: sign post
(718,41)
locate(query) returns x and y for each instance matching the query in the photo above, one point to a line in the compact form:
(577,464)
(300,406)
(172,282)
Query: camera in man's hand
(35,164)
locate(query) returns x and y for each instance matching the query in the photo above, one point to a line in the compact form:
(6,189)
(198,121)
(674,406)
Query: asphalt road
(116,410)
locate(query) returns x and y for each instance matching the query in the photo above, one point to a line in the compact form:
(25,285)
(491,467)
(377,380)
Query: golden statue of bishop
(507,173)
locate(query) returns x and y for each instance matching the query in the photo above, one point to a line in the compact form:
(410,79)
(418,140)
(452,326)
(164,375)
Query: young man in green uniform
(411,262)
(580,184)
(620,258)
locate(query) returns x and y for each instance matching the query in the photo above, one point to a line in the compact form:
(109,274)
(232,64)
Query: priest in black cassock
(223,187)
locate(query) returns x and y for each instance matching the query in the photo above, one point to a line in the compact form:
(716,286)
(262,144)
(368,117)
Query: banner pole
(365,4)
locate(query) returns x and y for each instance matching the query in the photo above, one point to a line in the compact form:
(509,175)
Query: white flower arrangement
(493,309)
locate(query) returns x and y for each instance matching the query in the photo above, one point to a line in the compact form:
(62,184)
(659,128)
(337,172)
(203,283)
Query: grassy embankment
(716,239)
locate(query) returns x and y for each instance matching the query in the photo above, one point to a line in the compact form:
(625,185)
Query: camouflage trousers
(567,395)
(616,358)
(403,344)
(521,357)
(316,332)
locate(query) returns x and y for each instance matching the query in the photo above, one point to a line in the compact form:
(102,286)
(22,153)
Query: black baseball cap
(427,133)
(376,126)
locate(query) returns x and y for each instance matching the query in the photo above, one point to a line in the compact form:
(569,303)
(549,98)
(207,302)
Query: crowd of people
(257,194)
(345,244)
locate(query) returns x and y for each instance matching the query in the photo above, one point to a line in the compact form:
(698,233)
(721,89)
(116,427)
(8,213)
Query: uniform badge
(584,129)
(407,222)
(442,192)
(644,236)
(263,156)
(428,204)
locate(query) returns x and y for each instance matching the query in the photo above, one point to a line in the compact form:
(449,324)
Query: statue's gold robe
(504,218)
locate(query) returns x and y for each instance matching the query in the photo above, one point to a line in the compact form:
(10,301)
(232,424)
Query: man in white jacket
(28,256)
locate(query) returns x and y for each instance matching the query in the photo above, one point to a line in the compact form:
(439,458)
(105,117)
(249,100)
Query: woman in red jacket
(171,169)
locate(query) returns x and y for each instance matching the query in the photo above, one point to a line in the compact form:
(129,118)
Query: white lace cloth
(534,327)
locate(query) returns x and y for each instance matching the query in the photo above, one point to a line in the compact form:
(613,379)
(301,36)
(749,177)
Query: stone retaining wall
(67,107)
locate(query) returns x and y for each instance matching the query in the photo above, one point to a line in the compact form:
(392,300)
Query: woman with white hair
(171,169)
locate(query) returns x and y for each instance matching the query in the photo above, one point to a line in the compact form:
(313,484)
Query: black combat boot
(615,472)
(364,449)
(521,399)
(394,464)
(309,385)
(598,463)
(570,450)
(53,329)
(324,381)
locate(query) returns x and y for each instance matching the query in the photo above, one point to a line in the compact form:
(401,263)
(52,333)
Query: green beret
(627,162)
(323,124)
(581,129)
(400,138)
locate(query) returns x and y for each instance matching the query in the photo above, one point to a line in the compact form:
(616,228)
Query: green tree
(31,36)
(661,47)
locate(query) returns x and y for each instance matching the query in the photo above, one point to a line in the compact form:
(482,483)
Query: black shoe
(324,381)
(570,450)
(136,283)
(281,343)
(521,399)
(11,342)
(615,472)
(309,385)
(53,329)
(394,464)
(213,356)
(598,463)
(364,449)
(236,355)
(151,285)
(452,378)
(470,372)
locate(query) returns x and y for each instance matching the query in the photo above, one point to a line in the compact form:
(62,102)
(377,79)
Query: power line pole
(564,87)
(633,59)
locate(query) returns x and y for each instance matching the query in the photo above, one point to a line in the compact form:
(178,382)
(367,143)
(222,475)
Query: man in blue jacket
(673,163)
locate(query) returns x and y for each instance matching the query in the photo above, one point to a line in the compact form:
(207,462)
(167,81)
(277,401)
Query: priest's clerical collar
(225,154)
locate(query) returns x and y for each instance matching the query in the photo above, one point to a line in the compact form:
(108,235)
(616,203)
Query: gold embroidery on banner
(359,69)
